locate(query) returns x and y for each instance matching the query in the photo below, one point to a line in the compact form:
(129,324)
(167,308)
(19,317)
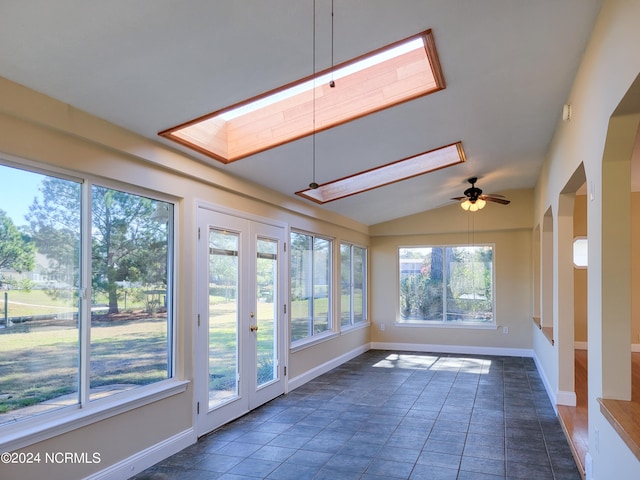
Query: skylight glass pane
(386,174)
(381,79)
(335,75)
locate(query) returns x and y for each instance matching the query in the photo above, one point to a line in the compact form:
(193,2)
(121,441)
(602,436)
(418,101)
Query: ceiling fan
(475,200)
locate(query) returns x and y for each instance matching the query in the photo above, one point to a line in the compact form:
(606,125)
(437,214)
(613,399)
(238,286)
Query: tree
(127,243)
(17,252)
(55,227)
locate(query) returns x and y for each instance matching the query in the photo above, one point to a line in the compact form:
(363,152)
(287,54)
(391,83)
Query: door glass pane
(39,281)
(223,316)
(266,315)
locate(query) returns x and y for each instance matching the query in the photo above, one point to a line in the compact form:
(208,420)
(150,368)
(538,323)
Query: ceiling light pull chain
(313,184)
(471,229)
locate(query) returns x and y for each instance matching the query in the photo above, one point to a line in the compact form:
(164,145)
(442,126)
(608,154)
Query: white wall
(610,65)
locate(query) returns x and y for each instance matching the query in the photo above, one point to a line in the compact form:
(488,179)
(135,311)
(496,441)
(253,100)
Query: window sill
(311,341)
(546,331)
(471,326)
(623,417)
(357,326)
(27,432)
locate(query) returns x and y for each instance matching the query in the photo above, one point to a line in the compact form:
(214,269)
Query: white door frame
(206,421)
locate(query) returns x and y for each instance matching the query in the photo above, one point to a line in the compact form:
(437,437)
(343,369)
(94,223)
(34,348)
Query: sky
(18,188)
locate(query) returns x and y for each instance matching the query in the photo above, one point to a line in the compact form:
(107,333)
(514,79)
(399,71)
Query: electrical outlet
(505,330)
(382,327)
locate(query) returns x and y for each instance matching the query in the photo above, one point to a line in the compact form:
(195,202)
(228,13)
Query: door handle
(253,328)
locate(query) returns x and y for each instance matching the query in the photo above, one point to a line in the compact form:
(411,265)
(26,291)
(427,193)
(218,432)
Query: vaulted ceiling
(148,65)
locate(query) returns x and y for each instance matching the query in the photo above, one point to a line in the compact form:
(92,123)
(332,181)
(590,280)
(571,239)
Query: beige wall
(580,274)
(38,129)
(507,227)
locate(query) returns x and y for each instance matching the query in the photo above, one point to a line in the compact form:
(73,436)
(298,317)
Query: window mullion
(352,274)
(312,304)
(85,295)
(445,280)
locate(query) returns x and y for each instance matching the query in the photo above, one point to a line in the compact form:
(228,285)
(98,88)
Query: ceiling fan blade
(491,198)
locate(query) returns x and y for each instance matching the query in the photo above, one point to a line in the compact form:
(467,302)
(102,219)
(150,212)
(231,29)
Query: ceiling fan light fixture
(473,205)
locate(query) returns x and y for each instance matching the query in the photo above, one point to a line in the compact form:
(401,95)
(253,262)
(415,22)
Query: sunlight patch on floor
(430,362)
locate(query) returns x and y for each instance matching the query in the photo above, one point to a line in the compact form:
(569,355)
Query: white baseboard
(461,349)
(588,461)
(547,386)
(566,398)
(325,367)
(142,460)
(635,347)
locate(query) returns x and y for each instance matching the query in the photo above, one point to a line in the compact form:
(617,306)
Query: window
(84,316)
(310,286)
(394,74)
(452,285)
(580,252)
(353,276)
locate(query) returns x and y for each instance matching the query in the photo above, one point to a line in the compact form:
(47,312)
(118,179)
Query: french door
(239,351)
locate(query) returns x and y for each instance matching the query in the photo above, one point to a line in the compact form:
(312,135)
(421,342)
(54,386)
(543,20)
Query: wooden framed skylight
(390,173)
(380,79)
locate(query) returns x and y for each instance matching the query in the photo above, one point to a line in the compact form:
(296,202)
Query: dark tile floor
(392,415)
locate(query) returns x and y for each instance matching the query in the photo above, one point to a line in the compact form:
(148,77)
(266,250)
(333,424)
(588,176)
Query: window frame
(443,323)
(585,240)
(313,337)
(365,265)
(86,411)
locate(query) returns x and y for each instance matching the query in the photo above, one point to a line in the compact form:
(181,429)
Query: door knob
(253,328)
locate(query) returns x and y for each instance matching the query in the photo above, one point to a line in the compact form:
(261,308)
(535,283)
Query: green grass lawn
(39,359)
(222,344)
(23,303)
(35,302)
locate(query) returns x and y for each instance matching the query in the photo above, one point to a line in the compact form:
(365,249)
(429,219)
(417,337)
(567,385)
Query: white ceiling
(148,65)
